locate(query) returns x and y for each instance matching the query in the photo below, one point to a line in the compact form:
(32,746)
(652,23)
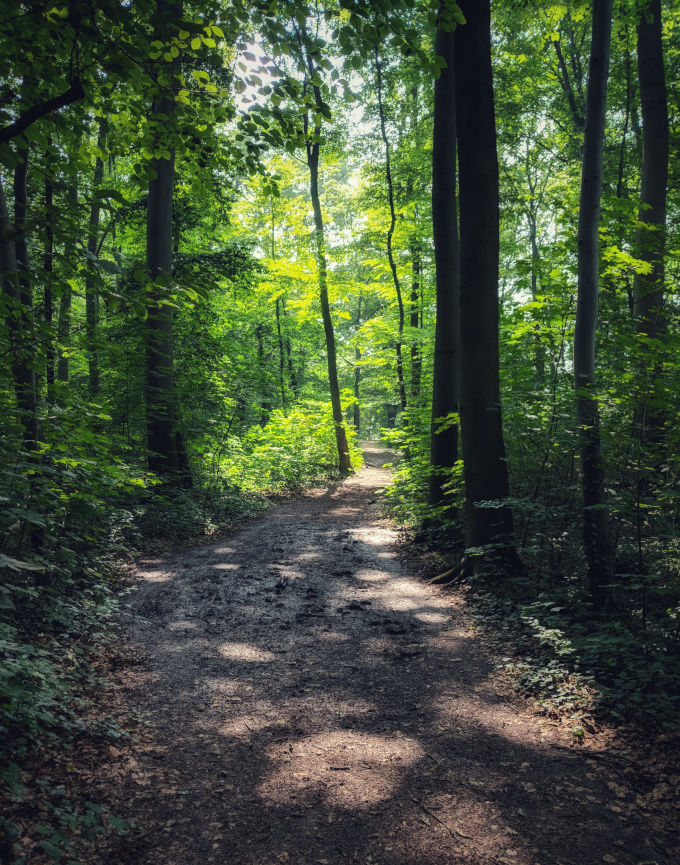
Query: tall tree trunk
(390,236)
(160,385)
(312,146)
(265,404)
(27,391)
(282,357)
(414,320)
(485,467)
(48,266)
(444,441)
(91,298)
(596,540)
(165,458)
(344,463)
(64,323)
(357,377)
(19,327)
(292,377)
(648,289)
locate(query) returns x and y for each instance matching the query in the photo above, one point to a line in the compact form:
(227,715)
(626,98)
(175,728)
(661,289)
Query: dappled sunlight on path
(311,701)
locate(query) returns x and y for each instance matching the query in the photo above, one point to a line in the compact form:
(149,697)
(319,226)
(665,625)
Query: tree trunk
(48,265)
(91,299)
(64,323)
(414,320)
(390,235)
(344,462)
(596,540)
(265,404)
(357,376)
(289,356)
(444,443)
(485,467)
(165,458)
(19,327)
(282,357)
(648,289)
(26,367)
(160,386)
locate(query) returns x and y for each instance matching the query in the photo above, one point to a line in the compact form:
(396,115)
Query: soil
(305,698)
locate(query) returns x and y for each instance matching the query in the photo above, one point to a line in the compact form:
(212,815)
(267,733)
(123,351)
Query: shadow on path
(311,701)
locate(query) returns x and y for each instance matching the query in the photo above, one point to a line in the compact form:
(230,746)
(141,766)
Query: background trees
(163,254)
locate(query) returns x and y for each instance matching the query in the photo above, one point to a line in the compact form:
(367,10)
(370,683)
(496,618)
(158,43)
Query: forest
(240,238)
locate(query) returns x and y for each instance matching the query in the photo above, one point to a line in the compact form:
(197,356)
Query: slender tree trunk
(27,391)
(265,404)
(596,540)
(344,462)
(569,88)
(282,357)
(626,122)
(390,236)
(648,289)
(414,321)
(19,327)
(444,441)
(279,333)
(91,298)
(48,265)
(357,377)
(64,323)
(485,467)
(539,353)
(292,377)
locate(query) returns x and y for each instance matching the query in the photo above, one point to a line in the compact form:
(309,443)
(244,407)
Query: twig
(453,832)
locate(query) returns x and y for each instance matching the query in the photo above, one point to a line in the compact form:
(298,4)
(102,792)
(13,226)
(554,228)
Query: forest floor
(303,698)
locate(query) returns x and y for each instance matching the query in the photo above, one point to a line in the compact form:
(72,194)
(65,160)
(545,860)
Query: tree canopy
(237,238)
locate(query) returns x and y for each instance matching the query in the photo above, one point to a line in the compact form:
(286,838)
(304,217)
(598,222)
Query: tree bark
(18,325)
(357,377)
(444,443)
(166,457)
(648,289)
(64,323)
(390,236)
(160,385)
(595,532)
(485,467)
(414,321)
(282,357)
(48,265)
(344,462)
(91,298)
(289,356)
(26,363)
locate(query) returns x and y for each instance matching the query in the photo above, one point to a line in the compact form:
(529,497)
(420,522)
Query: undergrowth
(72,512)
(619,658)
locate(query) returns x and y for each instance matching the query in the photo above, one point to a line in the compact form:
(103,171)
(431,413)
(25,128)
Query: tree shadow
(320,705)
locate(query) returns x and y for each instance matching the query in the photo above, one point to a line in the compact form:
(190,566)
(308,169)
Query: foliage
(249,393)
(291,451)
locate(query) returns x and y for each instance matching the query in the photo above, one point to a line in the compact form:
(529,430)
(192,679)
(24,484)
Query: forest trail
(307,699)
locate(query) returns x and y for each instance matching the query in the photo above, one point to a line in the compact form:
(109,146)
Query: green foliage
(291,450)
(408,492)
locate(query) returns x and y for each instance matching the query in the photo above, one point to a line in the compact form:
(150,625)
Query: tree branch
(26,118)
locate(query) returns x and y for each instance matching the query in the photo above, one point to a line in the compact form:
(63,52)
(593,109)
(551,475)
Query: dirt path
(311,701)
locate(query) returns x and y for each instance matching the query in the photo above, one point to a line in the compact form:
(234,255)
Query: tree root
(456,574)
